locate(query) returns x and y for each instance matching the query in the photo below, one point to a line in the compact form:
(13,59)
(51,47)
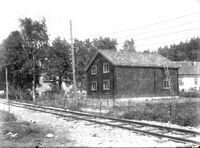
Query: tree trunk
(60,82)
(33,82)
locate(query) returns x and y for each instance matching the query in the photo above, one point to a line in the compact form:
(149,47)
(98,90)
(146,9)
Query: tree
(58,65)
(189,51)
(146,51)
(15,60)
(105,43)
(129,45)
(84,51)
(35,42)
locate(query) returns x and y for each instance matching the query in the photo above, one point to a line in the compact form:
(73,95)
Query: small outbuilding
(112,75)
(189,75)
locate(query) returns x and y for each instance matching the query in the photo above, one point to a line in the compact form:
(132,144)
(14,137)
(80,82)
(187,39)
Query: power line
(156,23)
(167,34)
(166,28)
(156,43)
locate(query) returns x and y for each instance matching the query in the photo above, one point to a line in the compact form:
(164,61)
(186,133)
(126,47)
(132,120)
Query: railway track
(171,133)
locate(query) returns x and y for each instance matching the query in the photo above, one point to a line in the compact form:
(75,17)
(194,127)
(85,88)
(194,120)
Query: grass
(183,114)
(27,133)
(25,130)
(7,117)
(59,101)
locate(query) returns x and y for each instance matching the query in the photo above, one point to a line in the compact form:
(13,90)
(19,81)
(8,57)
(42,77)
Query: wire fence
(90,105)
(179,111)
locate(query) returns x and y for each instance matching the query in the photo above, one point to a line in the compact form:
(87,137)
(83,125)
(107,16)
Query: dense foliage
(28,56)
(184,114)
(188,51)
(129,45)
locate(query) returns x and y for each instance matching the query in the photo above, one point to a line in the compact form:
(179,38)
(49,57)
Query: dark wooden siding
(160,76)
(126,82)
(134,82)
(142,82)
(99,77)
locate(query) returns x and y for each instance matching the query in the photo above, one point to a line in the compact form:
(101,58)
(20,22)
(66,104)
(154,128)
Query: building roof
(127,58)
(189,68)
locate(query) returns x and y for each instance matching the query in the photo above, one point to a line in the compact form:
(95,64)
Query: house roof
(126,58)
(189,68)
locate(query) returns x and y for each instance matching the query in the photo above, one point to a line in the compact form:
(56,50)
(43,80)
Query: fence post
(113,106)
(85,104)
(124,106)
(64,102)
(78,103)
(128,106)
(100,107)
(93,102)
(170,112)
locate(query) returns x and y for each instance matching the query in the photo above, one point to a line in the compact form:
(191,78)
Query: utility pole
(73,60)
(7,90)
(33,82)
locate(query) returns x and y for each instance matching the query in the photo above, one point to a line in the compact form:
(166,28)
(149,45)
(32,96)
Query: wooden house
(189,75)
(112,74)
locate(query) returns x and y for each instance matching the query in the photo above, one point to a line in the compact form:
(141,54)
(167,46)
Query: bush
(191,93)
(182,114)
(186,119)
(7,117)
(25,130)
(16,93)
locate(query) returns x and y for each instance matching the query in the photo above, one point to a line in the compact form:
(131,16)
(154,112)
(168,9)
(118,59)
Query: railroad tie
(188,136)
(67,119)
(161,131)
(162,140)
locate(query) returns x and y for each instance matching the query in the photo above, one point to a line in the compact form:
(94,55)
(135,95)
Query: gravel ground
(70,132)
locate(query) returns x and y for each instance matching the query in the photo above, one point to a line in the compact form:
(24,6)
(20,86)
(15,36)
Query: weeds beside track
(176,134)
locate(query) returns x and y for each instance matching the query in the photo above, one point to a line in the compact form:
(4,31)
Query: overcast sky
(151,23)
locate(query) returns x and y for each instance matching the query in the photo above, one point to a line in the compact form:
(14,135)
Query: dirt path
(69,133)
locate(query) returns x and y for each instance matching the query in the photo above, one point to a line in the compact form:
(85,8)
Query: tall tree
(84,51)
(15,60)
(129,45)
(58,62)
(35,42)
(2,64)
(189,51)
(105,43)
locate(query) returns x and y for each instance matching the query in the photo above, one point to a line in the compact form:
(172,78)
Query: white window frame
(94,70)
(106,87)
(166,84)
(181,82)
(94,85)
(106,68)
(196,81)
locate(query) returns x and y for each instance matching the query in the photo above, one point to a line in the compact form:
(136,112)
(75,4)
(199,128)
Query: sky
(150,23)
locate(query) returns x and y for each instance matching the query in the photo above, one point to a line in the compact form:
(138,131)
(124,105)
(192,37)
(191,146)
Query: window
(94,70)
(180,82)
(106,84)
(94,85)
(195,81)
(106,68)
(166,84)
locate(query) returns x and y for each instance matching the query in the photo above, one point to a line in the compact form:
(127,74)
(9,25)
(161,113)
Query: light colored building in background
(189,76)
